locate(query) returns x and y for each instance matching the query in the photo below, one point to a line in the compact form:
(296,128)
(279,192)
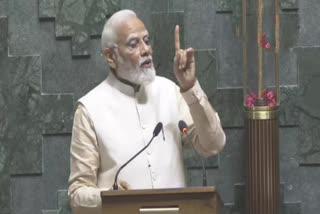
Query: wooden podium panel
(194,200)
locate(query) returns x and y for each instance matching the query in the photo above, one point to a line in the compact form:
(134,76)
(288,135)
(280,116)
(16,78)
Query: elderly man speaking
(116,119)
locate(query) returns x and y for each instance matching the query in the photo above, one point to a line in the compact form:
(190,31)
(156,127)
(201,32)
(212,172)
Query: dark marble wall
(50,56)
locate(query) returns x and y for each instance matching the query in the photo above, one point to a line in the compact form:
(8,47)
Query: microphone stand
(204,173)
(155,133)
(184,130)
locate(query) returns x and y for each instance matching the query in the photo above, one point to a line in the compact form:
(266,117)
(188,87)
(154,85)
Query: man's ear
(110,57)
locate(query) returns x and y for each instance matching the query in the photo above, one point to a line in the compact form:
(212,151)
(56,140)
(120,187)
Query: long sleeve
(203,122)
(83,191)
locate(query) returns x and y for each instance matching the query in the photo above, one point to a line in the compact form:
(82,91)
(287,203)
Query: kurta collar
(123,86)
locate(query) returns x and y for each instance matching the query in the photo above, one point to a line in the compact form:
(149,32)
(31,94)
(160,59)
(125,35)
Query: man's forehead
(132,27)
(137,34)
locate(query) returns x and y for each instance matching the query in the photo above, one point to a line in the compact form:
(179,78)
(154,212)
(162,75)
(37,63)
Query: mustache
(145,60)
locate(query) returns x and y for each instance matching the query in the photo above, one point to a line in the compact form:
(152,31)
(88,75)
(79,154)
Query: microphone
(156,131)
(184,130)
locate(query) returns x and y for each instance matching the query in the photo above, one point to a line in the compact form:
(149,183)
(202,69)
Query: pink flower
(253,95)
(272,103)
(270,95)
(251,99)
(266,45)
(264,93)
(267,95)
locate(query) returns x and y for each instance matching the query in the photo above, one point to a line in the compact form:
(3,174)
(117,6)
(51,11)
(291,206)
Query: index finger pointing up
(177,38)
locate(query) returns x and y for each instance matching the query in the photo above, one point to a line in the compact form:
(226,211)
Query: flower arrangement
(268,96)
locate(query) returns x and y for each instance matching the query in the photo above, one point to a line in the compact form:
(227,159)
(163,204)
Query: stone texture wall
(50,56)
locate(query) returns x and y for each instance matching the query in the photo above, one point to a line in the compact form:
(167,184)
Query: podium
(192,200)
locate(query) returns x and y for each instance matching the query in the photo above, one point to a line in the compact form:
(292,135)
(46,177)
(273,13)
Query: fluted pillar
(262,144)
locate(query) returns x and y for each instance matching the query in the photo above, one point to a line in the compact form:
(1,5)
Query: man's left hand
(184,64)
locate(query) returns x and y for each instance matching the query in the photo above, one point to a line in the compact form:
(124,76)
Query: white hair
(109,36)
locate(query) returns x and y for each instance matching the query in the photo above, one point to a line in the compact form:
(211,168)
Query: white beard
(135,74)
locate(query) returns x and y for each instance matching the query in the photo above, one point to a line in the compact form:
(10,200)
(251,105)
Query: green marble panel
(25,114)
(57,113)
(26,194)
(200,33)
(227,208)
(49,211)
(206,70)
(224,5)
(47,8)
(3,38)
(4,146)
(289,30)
(143,9)
(309,189)
(63,202)
(37,114)
(192,161)
(78,19)
(231,6)
(162,6)
(178,5)
(61,73)
(239,197)
(163,25)
(238,206)
(228,103)
(309,78)
(289,113)
(3,8)
(229,52)
(23,28)
(56,167)
(5,188)
(309,140)
(292,208)
(309,105)
(167,6)
(309,23)
(24,92)
(128,4)
(289,4)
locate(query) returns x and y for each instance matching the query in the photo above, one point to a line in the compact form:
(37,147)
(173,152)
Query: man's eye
(147,41)
(133,45)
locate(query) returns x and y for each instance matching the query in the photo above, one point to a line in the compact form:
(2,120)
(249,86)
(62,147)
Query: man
(116,119)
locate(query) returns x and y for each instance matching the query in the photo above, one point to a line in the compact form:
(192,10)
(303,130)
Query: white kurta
(113,122)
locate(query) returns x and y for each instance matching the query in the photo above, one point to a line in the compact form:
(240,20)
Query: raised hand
(184,64)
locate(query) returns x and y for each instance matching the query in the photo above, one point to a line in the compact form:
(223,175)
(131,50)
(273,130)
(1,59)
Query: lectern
(193,200)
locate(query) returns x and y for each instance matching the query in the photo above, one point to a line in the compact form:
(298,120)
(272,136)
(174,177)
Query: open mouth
(147,63)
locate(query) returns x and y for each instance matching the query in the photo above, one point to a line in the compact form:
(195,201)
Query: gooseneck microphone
(184,130)
(156,131)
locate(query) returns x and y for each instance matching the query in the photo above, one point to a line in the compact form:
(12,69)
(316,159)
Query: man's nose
(144,49)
